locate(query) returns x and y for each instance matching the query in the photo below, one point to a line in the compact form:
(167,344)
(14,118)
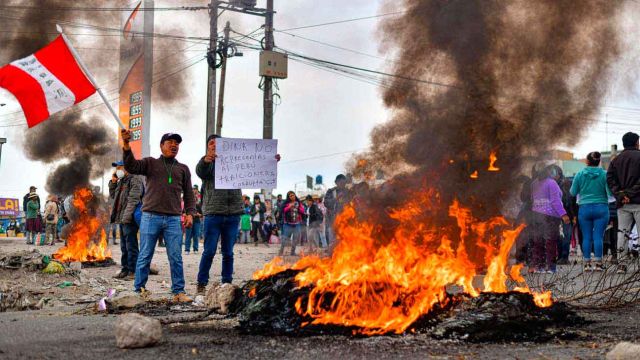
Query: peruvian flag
(46,82)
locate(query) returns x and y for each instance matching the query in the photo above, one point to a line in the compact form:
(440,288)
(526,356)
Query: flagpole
(91,79)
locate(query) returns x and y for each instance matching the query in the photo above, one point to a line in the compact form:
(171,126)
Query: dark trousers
(256,227)
(545,241)
(564,243)
(129,246)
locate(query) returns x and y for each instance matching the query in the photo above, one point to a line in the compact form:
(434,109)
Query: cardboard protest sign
(246,163)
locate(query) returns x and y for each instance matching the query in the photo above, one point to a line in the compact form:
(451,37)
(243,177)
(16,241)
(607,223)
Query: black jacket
(315,216)
(623,176)
(255,210)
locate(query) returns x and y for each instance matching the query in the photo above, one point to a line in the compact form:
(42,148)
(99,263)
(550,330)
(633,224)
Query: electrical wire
(89,8)
(344,21)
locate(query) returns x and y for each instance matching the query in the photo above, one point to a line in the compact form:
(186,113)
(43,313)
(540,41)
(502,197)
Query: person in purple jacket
(547,212)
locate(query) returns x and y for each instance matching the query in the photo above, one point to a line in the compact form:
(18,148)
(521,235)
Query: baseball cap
(171,136)
(33,187)
(212,136)
(117,163)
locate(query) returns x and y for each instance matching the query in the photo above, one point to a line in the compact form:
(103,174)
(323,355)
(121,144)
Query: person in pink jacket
(293,216)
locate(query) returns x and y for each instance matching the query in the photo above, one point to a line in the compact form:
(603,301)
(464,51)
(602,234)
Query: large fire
(382,286)
(81,243)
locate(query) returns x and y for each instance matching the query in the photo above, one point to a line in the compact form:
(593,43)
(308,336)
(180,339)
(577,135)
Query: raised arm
(133,166)
(205,170)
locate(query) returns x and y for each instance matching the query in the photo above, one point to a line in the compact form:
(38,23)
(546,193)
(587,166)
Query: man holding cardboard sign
(224,171)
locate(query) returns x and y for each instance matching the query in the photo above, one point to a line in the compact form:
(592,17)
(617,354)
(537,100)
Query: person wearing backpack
(51,219)
(126,192)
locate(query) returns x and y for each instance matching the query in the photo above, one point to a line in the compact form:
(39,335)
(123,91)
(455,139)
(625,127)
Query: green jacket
(590,185)
(245,222)
(217,201)
(33,208)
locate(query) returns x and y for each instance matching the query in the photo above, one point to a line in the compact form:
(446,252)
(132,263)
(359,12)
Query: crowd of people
(153,199)
(595,212)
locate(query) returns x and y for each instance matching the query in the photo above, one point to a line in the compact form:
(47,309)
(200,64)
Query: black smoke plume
(76,144)
(513,77)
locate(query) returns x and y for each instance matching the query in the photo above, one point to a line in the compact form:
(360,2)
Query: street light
(2,141)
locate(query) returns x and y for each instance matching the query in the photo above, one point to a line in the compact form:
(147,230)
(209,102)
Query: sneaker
(598,266)
(622,269)
(182,298)
(550,271)
(187,253)
(121,275)
(195,251)
(587,267)
(202,289)
(130,277)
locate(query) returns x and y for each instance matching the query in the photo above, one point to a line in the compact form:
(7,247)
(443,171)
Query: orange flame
(385,286)
(474,175)
(80,246)
(492,162)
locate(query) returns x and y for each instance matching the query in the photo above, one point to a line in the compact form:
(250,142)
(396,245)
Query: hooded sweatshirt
(590,184)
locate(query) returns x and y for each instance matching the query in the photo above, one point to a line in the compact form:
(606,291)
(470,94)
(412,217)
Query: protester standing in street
(51,219)
(547,210)
(25,201)
(192,234)
(623,178)
(590,185)
(335,200)
(167,181)
(34,226)
(315,218)
(257,212)
(222,210)
(125,192)
(292,213)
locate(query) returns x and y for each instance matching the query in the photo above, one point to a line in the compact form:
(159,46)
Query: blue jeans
(192,233)
(226,228)
(129,247)
(287,231)
(593,222)
(151,227)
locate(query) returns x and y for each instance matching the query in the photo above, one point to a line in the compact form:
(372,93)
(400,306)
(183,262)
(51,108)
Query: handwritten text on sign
(246,163)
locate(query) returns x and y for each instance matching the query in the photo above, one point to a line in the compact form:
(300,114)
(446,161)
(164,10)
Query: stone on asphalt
(624,351)
(125,300)
(221,296)
(137,331)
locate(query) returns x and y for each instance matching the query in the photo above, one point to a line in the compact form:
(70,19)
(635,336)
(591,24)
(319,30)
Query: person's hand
(625,199)
(565,219)
(574,220)
(278,157)
(126,137)
(188,221)
(210,156)
(114,178)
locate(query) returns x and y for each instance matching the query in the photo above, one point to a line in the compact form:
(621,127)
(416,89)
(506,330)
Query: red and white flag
(46,82)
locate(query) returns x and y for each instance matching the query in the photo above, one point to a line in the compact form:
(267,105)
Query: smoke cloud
(514,77)
(77,145)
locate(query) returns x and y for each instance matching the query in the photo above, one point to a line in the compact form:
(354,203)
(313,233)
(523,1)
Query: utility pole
(267,127)
(223,74)
(211,89)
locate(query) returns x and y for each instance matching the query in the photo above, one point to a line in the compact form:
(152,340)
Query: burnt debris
(267,307)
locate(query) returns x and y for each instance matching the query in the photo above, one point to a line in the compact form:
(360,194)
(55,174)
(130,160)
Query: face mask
(120,174)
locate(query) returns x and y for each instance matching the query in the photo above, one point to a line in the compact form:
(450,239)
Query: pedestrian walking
(547,212)
(590,186)
(125,192)
(623,178)
(167,181)
(293,212)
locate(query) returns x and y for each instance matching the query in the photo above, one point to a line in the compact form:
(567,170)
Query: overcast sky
(321,119)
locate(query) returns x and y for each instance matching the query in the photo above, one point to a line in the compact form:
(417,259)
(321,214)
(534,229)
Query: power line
(86,8)
(322,156)
(344,21)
